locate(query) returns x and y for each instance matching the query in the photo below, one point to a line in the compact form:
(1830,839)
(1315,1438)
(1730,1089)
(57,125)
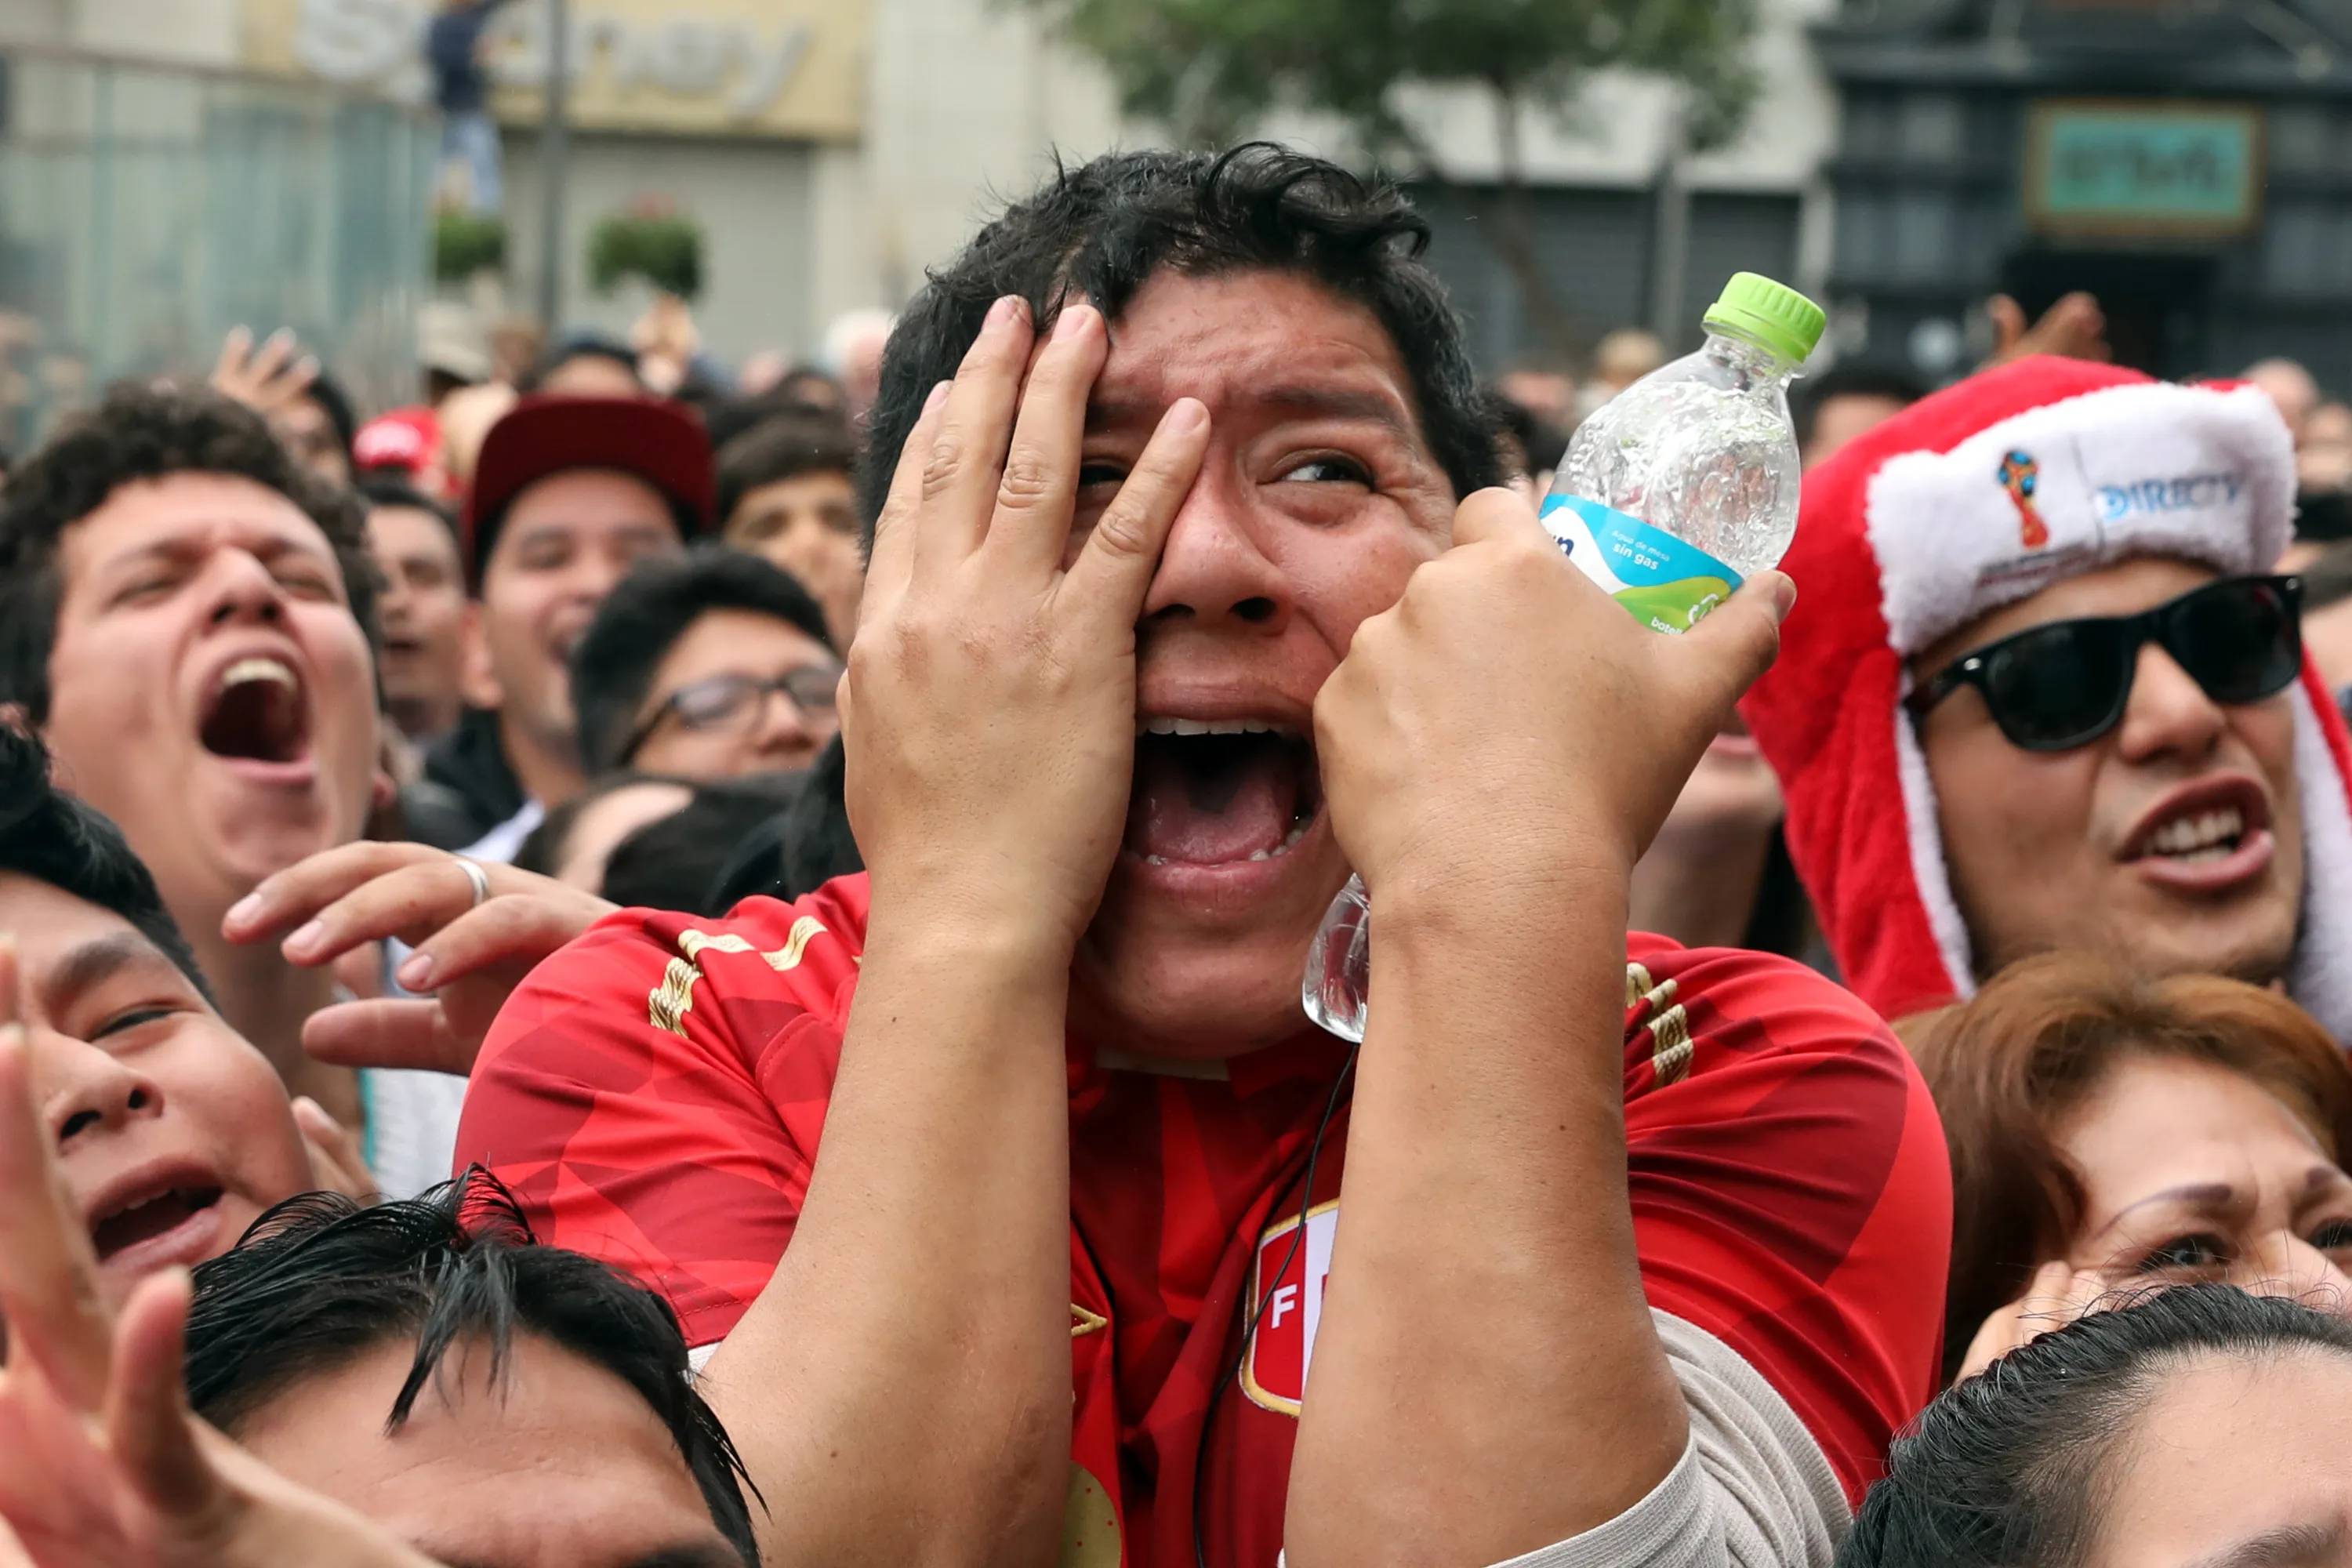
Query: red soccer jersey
(654,1095)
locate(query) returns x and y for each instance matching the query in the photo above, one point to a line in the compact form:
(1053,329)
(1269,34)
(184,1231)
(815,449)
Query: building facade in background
(2189,161)
(2190,164)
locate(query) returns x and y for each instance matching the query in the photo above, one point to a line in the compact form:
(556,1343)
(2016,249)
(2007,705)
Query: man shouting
(1185,598)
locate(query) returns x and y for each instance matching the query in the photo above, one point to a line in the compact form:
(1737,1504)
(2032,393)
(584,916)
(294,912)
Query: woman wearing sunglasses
(2042,690)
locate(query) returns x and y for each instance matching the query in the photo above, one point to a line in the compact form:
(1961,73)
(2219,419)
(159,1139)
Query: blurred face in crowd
(2322,457)
(1848,415)
(204,634)
(557,1463)
(2193,1173)
(739,693)
(423,607)
(2239,1460)
(807,524)
(1317,498)
(2174,841)
(567,539)
(313,440)
(172,1132)
(592,375)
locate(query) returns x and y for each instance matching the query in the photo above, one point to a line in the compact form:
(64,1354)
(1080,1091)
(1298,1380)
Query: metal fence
(146,209)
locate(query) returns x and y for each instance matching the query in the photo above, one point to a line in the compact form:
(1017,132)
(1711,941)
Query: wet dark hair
(781,448)
(319,1281)
(144,431)
(647,611)
(2011,1469)
(1102,230)
(48,835)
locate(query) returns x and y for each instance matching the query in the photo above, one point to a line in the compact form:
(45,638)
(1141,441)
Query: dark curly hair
(144,430)
(53,837)
(1102,230)
(2011,1469)
(318,1282)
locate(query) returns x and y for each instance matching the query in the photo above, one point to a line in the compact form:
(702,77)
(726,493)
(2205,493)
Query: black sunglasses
(2052,687)
(732,703)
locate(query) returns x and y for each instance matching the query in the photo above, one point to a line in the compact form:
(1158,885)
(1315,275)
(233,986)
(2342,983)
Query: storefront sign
(2151,170)
(763,68)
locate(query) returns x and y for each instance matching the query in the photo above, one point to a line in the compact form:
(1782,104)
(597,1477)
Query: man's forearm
(901,1390)
(1486,1380)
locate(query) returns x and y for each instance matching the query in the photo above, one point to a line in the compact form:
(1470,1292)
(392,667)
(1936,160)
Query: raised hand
(470,956)
(1507,718)
(270,379)
(101,1463)
(988,712)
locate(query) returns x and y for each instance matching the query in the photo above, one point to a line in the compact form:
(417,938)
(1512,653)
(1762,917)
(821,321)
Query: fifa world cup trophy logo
(2019,474)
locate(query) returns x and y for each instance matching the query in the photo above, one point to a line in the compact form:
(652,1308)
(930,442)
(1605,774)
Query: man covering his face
(1186,599)
(2083,717)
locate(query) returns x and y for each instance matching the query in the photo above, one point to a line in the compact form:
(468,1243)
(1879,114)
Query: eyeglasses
(721,704)
(2052,687)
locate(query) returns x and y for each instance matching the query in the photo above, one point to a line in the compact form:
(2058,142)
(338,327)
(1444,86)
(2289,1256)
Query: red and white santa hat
(1975,498)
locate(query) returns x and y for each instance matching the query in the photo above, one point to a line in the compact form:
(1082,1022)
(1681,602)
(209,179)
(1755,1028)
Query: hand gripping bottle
(1670,495)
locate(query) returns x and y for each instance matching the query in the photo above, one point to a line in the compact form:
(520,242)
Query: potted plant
(466,244)
(649,241)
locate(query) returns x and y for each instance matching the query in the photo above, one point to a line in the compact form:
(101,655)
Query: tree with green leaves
(1208,69)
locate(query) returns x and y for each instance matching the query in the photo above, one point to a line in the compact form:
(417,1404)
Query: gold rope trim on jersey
(673,999)
(666,1007)
(1670,1038)
(1083,1322)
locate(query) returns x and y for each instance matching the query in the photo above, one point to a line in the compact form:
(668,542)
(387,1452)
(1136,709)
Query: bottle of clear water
(1670,495)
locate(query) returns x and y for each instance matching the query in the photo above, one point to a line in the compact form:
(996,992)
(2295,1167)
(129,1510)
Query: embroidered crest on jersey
(1286,1290)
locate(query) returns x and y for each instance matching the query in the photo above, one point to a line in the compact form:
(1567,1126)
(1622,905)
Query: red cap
(406,441)
(661,442)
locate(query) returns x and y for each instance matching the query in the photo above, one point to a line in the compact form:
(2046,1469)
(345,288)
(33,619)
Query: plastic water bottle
(1670,495)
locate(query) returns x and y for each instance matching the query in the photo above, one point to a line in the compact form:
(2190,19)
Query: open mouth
(257,713)
(1215,792)
(2199,836)
(158,1213)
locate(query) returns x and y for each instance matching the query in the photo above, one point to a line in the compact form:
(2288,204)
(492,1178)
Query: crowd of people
(601,972)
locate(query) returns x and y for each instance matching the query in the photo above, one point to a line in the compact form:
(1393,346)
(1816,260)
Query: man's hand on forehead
(989,709)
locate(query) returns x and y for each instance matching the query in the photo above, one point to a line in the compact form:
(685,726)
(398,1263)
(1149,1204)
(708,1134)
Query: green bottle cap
(1773,314)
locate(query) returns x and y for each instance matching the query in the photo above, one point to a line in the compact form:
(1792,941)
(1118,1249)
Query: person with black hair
(1005,1182)
(188,621)
(680,859)
(706,667)
(414,541)
(579,837)
(2194,1427)
(416,1360)
(1846,401)
(541,1407)
(171,1132)
(787,490)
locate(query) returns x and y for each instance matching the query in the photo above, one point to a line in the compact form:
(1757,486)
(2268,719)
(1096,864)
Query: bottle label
(1668,584)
